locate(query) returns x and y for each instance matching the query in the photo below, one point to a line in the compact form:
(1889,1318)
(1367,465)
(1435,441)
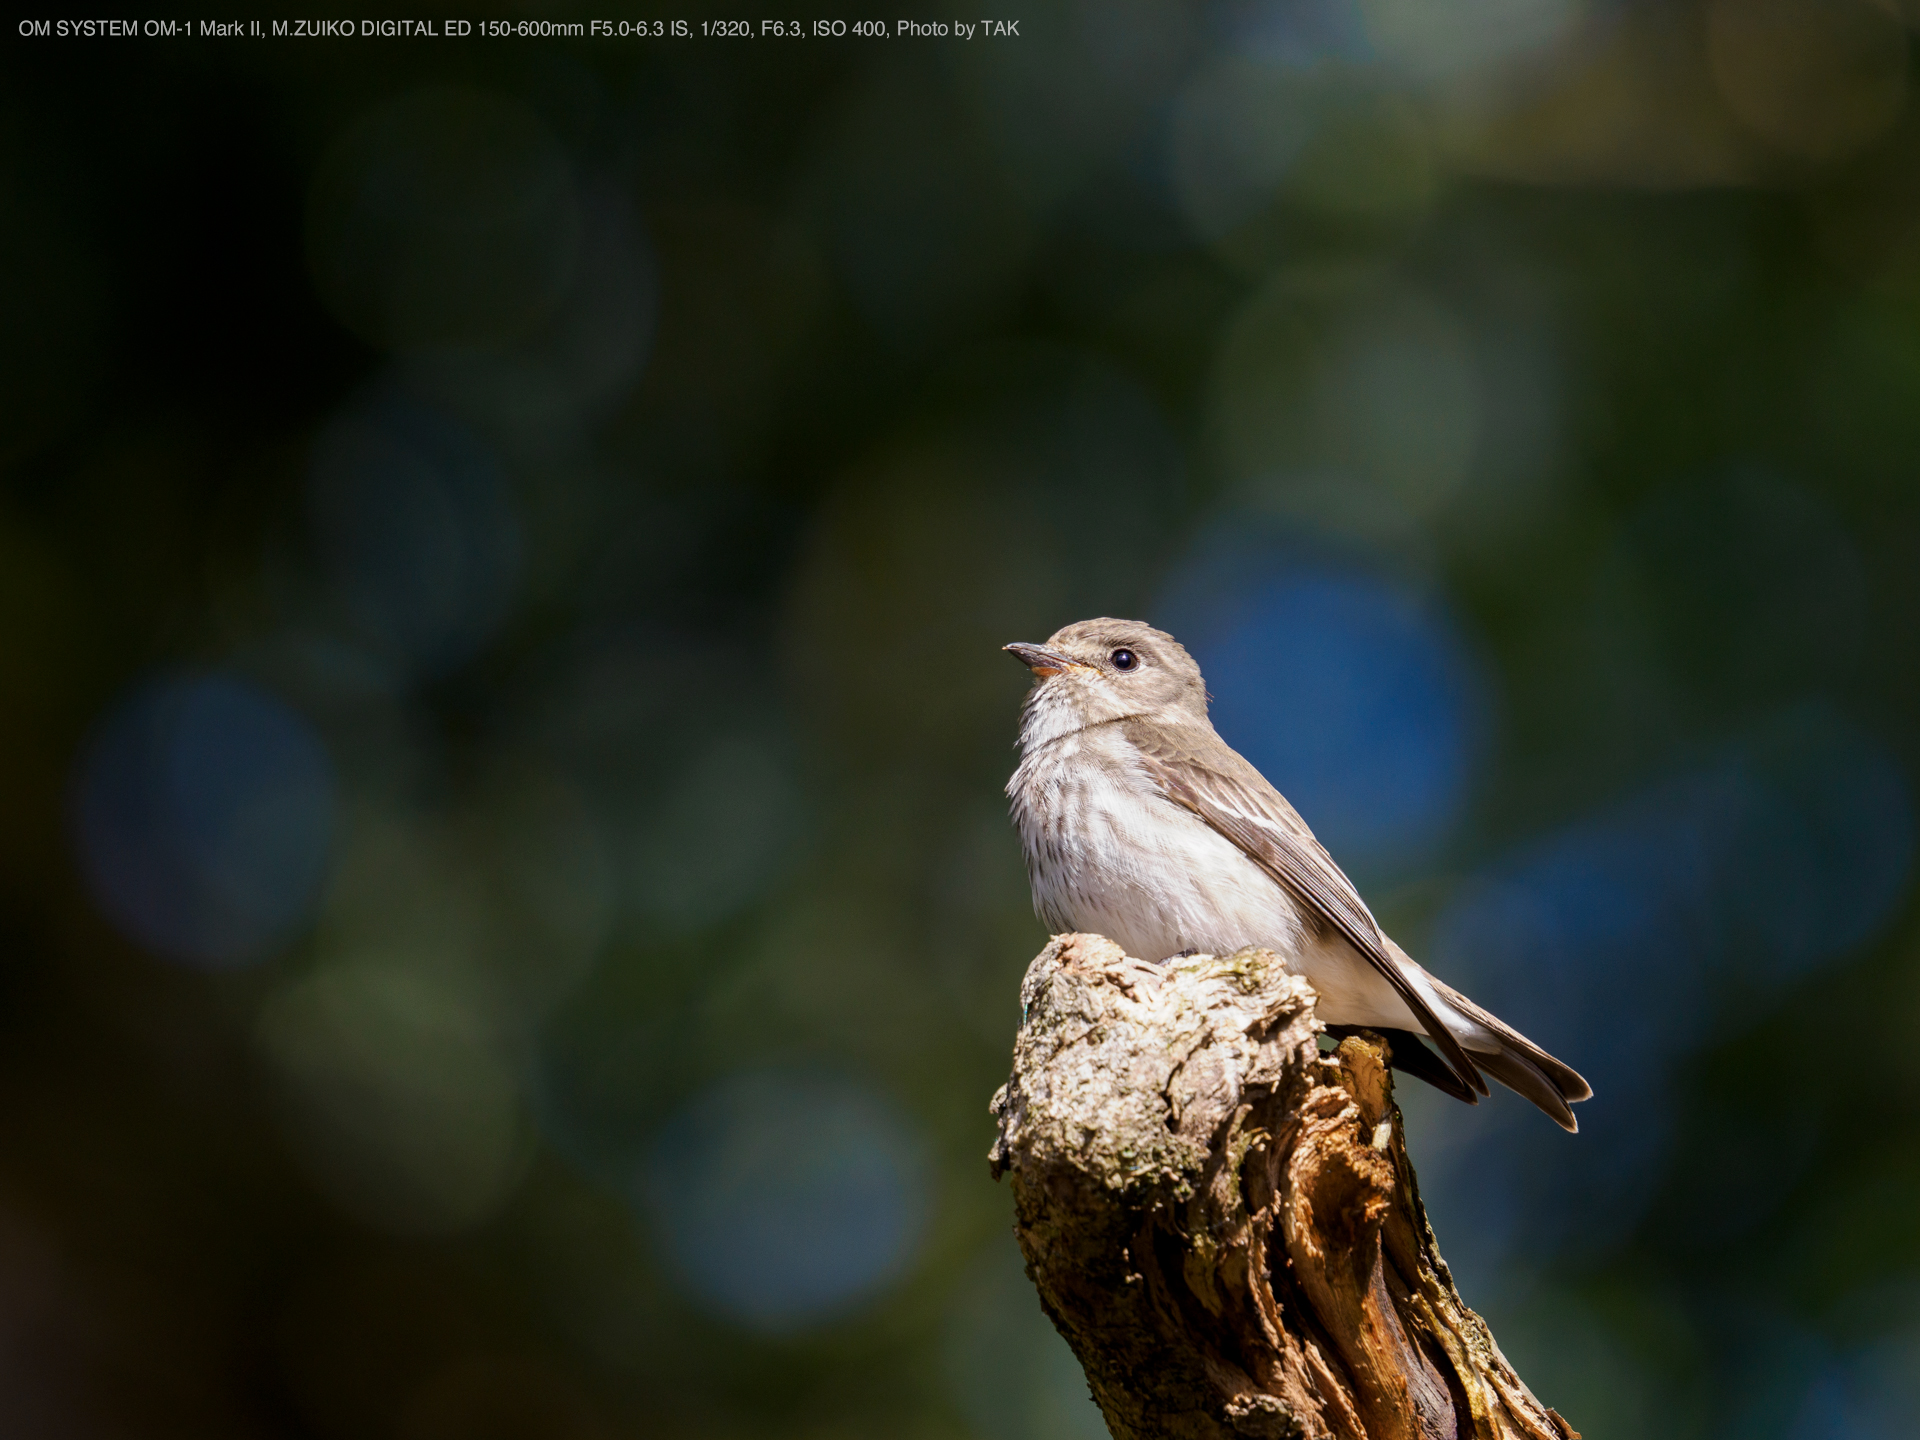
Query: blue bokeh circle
(203,813)
(783,1197)
(1354,693)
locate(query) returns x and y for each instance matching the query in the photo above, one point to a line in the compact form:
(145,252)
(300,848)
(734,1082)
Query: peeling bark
(1223,1222)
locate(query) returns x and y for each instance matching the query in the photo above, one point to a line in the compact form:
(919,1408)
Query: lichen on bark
(1223,1222)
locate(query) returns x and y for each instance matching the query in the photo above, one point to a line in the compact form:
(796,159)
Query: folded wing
(1236,800)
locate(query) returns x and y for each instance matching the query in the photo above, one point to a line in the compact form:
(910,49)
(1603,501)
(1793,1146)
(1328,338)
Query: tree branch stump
(1223,1223)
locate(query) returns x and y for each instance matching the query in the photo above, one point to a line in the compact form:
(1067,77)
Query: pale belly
(1158,881)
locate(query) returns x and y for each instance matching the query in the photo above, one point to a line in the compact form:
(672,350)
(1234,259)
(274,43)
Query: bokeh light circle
(414,520)
(1817,858)
(1378,387)
(204,815)
(782,1197)
(1817,78)
(1237,129)
(396,1094)
(1355,695)
(715,837)
(1253,139)
(1466,38)
(1623,939)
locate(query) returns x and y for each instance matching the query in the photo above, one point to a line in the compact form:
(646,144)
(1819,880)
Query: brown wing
(1195,768)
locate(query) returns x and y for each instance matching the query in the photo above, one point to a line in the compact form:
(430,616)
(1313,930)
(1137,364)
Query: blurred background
(510,920)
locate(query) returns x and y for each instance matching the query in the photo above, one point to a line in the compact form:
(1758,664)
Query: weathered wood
(1224,1223)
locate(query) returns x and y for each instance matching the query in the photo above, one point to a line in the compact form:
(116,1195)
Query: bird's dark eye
(1124,659)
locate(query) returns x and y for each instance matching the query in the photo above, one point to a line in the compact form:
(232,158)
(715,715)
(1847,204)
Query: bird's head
(1099,670)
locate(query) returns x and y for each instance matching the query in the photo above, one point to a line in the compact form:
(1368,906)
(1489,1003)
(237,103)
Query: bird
(1141,824)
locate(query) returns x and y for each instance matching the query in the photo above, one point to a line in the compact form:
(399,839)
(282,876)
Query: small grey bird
(1141,824)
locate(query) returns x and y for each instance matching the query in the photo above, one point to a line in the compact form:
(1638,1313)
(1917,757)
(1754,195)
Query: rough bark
(1223,1222)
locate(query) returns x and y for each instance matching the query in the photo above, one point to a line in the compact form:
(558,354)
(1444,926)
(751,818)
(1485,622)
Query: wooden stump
(1223,1222)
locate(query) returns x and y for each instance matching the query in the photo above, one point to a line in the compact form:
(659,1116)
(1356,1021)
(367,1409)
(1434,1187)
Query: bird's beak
(1037,658)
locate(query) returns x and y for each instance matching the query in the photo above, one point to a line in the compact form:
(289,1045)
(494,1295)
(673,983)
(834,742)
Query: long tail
(1497,1049)
(1519,1064)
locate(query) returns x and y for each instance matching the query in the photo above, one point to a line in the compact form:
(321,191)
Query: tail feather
(1571,1085)
(1519,1074)
(1498,1050)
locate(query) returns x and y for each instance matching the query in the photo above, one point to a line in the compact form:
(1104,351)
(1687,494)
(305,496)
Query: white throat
(1052,713)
